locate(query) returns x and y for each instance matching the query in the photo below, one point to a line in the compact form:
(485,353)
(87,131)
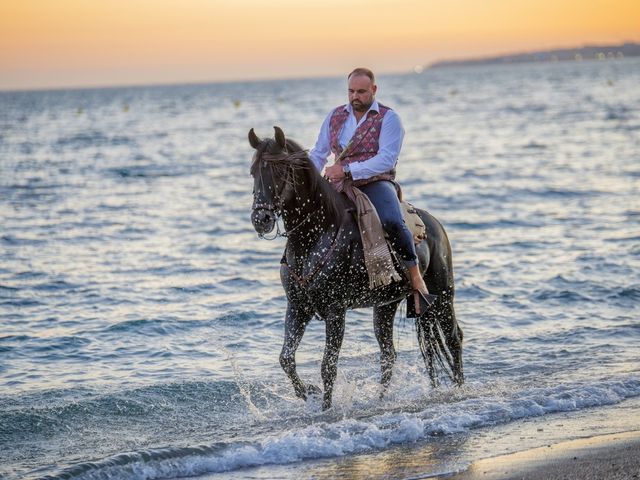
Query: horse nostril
(261,217)
(263,221)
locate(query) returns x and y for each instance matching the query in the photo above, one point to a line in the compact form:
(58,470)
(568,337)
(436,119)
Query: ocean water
(141,318)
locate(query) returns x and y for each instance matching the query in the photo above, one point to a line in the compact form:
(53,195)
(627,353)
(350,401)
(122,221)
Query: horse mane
(321,190)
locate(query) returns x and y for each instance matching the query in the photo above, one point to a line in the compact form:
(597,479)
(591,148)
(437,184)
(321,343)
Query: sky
(75,43)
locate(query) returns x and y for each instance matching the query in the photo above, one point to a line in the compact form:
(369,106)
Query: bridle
(276,208)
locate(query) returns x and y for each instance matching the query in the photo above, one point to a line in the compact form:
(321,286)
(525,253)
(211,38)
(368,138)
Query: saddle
(414,222)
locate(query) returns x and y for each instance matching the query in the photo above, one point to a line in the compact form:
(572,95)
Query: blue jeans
(384,197)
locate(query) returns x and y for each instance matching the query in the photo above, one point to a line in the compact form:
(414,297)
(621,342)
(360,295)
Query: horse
(323,270)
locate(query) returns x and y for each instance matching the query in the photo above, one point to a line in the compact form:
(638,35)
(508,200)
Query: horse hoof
(313,390)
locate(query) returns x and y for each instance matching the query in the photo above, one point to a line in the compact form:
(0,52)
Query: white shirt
(390,143)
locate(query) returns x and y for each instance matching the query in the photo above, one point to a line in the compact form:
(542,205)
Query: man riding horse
(366,137)
(325,268)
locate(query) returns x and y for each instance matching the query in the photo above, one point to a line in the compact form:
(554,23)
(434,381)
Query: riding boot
(420,301)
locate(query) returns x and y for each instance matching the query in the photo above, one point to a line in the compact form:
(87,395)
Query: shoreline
(611,456)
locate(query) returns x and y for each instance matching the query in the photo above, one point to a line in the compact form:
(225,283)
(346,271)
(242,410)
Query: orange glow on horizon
(102,42)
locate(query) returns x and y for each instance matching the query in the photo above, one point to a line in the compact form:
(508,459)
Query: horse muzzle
(263,220)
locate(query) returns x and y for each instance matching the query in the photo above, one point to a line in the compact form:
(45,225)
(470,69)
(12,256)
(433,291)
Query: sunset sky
(60,43)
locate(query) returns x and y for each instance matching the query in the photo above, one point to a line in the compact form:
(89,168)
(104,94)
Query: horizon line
(294,77)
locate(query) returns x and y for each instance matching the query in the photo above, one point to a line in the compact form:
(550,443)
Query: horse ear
(280,139)
(253,139)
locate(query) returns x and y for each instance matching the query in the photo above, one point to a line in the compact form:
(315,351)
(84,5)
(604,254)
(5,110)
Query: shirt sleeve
(390,143)
(322,149)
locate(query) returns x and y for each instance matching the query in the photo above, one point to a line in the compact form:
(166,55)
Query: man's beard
(361,107)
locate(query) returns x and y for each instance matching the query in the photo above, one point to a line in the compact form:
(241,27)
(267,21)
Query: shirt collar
(373,108)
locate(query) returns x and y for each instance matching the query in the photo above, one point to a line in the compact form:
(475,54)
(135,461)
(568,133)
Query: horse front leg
(383,316)
(334,324)
(295,323)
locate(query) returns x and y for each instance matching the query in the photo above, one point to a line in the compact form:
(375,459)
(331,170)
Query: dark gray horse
(323,271)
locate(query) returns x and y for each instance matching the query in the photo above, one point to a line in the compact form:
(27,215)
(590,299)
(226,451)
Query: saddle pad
(414,222)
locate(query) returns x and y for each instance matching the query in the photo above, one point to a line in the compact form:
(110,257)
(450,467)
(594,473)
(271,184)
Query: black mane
(321,189)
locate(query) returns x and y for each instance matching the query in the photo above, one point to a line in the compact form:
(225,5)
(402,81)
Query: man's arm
(322,149)
(390,143)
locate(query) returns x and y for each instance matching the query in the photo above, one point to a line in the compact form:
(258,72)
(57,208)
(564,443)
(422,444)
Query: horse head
(270,171)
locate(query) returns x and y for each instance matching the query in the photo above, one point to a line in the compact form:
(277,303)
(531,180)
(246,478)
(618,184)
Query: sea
(141,317)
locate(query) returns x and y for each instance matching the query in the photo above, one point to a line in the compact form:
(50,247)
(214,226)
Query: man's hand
(334,173)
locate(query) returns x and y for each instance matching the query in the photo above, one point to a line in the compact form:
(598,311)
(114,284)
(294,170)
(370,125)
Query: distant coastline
(587,52)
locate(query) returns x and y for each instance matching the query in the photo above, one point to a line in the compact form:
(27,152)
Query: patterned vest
(364,143)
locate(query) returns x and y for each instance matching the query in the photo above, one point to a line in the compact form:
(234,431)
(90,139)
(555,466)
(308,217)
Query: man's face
(362,92)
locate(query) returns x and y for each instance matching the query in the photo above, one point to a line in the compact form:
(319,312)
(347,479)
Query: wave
(535,146)
(628,293)
(63,347)
(497,224)
(168,325)
(92,138)
(352,436)
(149,327)
(145,171)
(18,241)
(561,295)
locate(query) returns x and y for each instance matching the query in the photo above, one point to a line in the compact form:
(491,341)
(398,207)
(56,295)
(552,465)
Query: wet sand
(609,457)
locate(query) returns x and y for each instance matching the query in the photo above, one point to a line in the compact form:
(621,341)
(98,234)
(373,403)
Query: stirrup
(424,302)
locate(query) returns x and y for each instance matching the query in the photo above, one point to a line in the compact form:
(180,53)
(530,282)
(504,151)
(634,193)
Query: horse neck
(315,210)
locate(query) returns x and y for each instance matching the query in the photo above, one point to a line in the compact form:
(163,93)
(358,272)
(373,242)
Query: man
(366,138)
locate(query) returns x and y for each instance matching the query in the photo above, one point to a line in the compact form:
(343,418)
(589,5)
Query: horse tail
(440,342)
(439,334)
